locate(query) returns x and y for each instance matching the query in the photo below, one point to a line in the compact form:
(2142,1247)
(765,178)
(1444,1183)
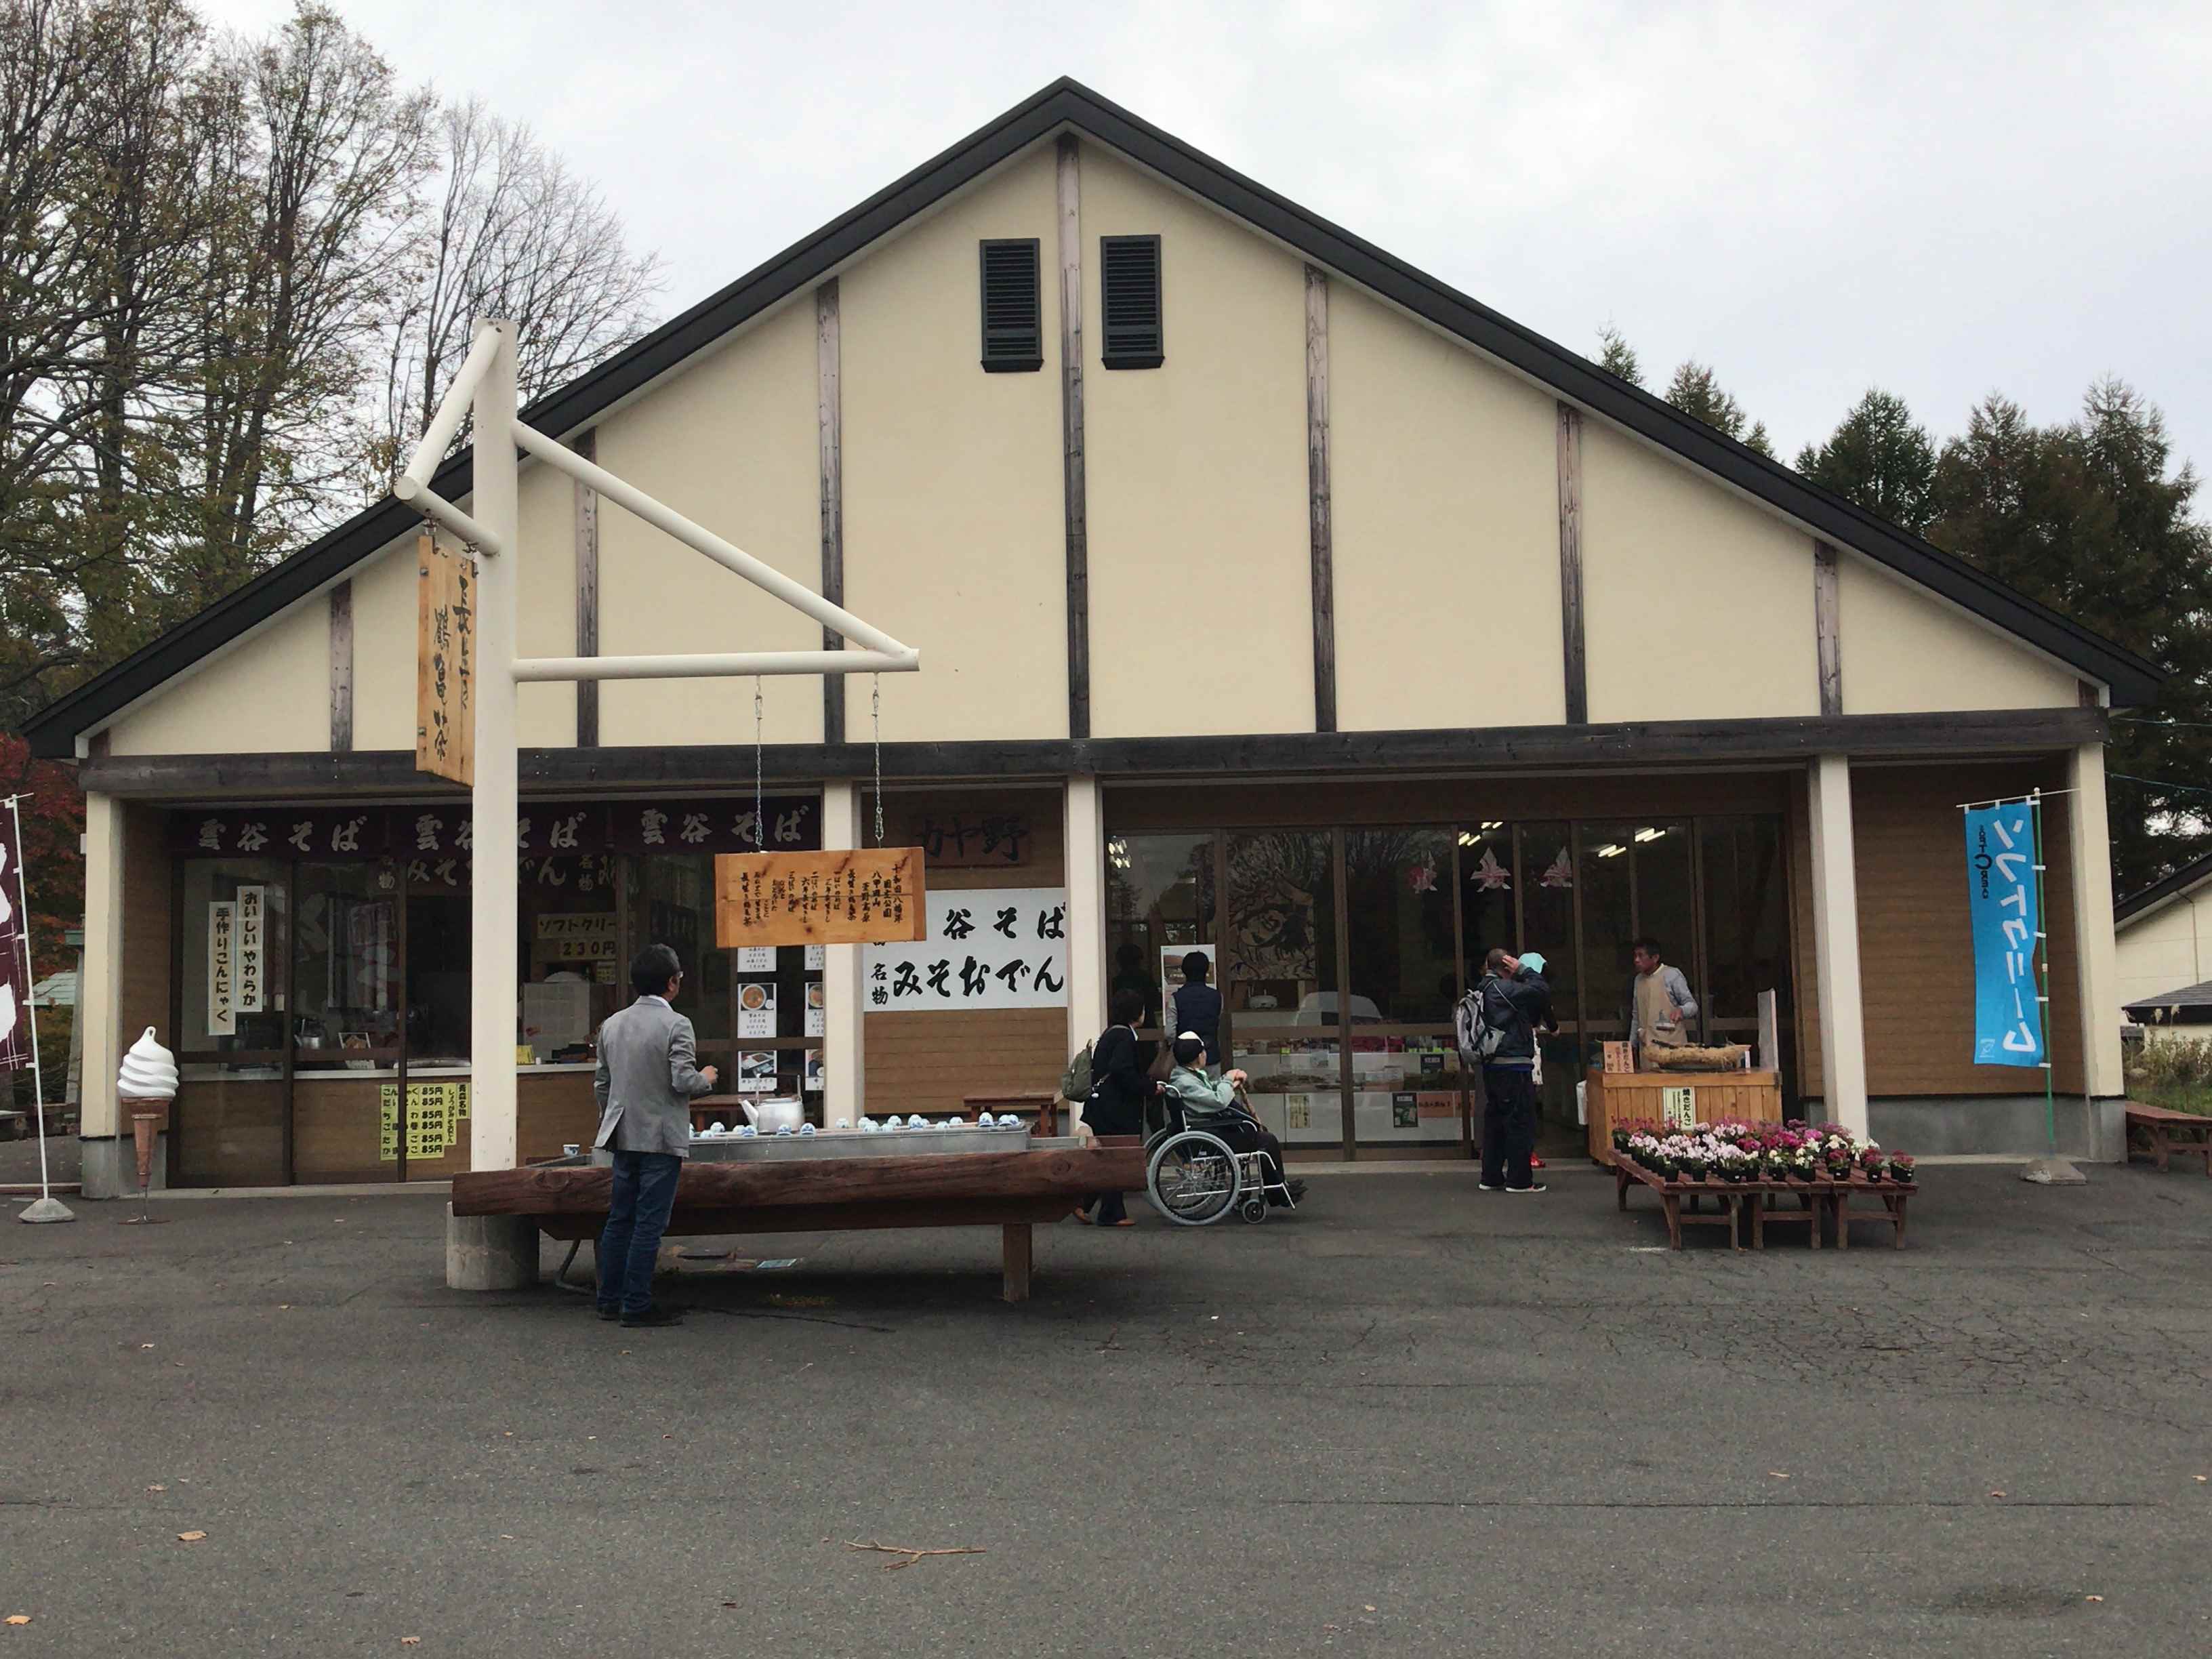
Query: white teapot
(775,1113)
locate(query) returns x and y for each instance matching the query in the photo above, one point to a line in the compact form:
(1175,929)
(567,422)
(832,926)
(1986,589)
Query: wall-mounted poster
(252,947)
(757,1072)
(813,1080)
(757,959)
(991,947)
(816,1015)
(757,1009)
(818,958)
(223,968)
(579,937)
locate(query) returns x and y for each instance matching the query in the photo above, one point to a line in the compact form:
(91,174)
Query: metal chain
(876,715)
(760,800)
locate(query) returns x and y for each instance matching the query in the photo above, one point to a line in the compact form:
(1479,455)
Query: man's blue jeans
(645,1191)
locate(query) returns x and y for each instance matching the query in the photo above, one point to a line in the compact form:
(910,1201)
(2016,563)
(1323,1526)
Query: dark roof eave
(2132,679)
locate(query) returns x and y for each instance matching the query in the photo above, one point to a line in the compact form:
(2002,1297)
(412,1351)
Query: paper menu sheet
(556,1013)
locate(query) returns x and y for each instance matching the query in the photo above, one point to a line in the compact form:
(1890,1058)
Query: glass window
(229,1112)
(671,903)
(1546,875)
(439,935)
(1399,905)
(1746,924)
(1159,908)
(1666,900)
(1609,908)
(571,971)
(1279,975)
(346,969)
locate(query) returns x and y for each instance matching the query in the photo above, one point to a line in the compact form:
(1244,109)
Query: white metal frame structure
(486,383)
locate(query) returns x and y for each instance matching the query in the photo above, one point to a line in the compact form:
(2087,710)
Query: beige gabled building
(1274,599)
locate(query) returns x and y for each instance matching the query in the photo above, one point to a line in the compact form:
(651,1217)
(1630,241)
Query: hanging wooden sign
(867,897)
(445,662)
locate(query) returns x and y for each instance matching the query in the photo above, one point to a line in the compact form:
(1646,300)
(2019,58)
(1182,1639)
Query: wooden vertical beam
(587,444)
(342,668)
(1074,488)
(1570,564)
(1319,530)
(1826,627)
(829,431)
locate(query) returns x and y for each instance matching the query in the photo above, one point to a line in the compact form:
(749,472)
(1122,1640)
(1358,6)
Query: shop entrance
(1341,952)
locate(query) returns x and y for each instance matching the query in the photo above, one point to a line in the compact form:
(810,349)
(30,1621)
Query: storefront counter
(1611,1097)
(356,1125)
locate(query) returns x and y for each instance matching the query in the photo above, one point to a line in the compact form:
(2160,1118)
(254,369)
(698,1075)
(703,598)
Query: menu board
(816,1015)
(854,897)
(757,1009)
(432,1122)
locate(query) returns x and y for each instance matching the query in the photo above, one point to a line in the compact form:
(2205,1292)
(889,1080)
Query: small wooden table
(2172,1131)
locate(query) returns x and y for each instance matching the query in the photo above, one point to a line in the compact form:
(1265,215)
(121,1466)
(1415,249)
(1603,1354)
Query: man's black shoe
(1297,1190)
(651,1318)
(609,1310)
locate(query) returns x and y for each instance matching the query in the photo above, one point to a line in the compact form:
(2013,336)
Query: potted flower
(1694,1165)
(1774,1163)
(1901,1168)
(1870,1162)
(1805,1162)
(1621,1138)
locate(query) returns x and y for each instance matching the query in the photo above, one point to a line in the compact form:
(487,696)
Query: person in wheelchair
(1212,1105)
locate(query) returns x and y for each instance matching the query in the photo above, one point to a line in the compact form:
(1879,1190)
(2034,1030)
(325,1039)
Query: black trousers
(1243,1135)
(1509,1126)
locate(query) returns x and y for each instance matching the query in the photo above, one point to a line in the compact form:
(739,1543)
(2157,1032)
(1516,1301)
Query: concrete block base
(108,1166)
(2094,1132)
(490,1252)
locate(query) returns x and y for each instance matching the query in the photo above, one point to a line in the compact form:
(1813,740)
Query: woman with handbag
(1121,1087)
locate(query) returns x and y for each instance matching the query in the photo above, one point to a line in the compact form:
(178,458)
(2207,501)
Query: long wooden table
(1011,1191)
(1751,1202)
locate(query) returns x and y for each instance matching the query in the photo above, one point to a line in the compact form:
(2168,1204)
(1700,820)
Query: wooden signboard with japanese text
(866,897)
(445,664)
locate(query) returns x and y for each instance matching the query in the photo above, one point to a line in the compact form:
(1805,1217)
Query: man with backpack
(1497,1025)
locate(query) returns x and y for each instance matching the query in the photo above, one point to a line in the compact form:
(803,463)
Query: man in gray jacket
(646,1077)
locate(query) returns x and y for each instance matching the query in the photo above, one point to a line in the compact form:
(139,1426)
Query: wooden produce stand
(1011,1191)
(1611,1097)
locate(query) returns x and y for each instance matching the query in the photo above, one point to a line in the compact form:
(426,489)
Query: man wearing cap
(1513,1000)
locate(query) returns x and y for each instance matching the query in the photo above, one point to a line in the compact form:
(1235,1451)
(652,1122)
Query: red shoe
(1535,1162)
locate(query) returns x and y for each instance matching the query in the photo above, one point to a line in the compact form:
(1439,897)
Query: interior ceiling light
(1648,834)
(1611,852)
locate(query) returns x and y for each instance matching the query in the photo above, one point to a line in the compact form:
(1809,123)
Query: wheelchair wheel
(1192,1178)
(1254,1209)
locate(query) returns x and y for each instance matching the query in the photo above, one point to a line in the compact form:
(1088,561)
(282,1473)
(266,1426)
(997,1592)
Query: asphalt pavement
(1413,1418)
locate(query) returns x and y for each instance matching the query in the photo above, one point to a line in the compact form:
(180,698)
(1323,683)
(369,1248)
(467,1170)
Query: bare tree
(511,233)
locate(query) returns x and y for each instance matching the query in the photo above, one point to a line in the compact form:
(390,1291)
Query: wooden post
(1570,564)
(829,423)
(1016,1248)
(1074,483)
(1319,530)
(588,595)
(342,668)
(1826,629)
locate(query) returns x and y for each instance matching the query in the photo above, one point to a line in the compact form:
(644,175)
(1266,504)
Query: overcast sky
(1942,199)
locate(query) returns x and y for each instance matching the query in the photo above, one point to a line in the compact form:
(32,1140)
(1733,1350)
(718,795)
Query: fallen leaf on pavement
(733,1604)
(190,1537)
(911,1555)
(2092,1598)
(2205,1477)
(19,1618)
(145,1347)
(1996,1494)
(283,1307)
(157,1489)
(1778,1474)
(410,1641)
(1368,1608)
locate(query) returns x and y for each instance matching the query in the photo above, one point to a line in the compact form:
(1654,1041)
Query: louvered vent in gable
(1013,318)
(1129,280)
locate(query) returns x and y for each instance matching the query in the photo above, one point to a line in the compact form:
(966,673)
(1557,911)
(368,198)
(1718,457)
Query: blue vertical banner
(2000,905)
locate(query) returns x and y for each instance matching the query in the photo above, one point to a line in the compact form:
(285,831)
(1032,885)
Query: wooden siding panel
(1918,978)
(143,999)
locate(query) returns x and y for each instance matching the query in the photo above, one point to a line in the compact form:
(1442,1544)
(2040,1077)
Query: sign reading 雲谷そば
(990,947)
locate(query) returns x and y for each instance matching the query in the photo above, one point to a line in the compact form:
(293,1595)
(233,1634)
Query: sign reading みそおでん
(990,947)
(2002,906)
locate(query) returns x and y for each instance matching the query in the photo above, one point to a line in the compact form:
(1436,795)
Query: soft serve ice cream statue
(150,1071)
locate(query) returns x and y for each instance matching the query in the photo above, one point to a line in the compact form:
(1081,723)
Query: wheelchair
(1194,1177)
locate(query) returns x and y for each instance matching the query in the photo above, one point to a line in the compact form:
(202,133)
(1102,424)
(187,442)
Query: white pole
(46,1209)
(494,990)
(712,665)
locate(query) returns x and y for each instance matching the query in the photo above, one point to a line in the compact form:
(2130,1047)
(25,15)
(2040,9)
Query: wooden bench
(1040,1111)
(1011,1191)
(2172,1131)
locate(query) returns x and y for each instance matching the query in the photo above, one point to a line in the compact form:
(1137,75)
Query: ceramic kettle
(775,1113)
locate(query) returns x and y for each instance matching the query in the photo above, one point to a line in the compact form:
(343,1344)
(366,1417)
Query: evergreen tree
(1694,390)
(1880,457)
(2088,519)
(1618,356)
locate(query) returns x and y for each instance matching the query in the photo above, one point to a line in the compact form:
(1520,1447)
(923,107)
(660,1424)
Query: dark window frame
(1003,361)
(1148,347)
